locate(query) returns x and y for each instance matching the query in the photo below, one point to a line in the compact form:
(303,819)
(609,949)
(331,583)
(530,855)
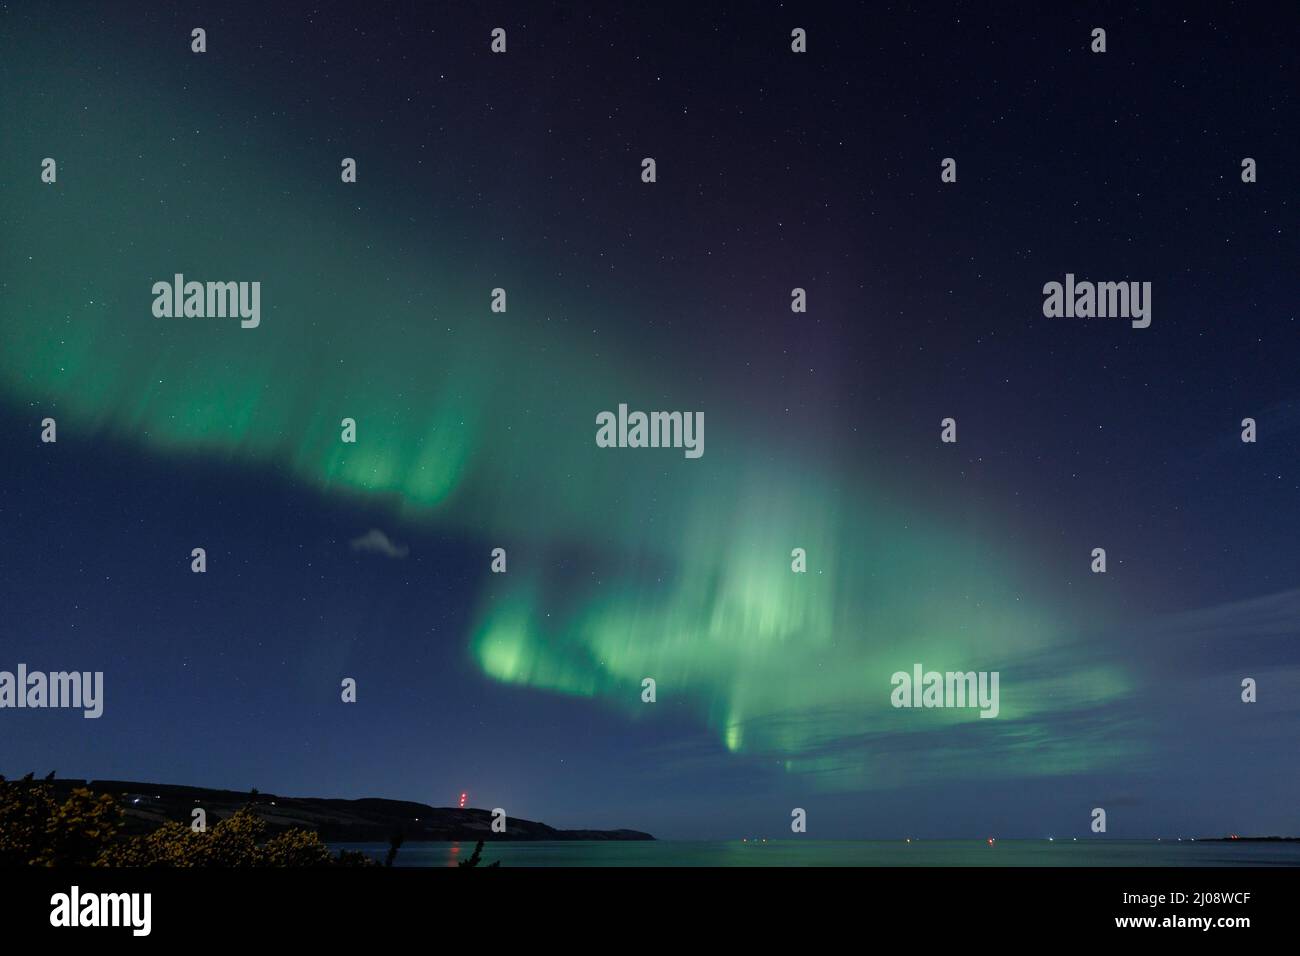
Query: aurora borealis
(476,430)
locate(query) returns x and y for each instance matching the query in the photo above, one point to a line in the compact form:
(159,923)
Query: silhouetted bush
(38,830)
(394,844)
(476,857)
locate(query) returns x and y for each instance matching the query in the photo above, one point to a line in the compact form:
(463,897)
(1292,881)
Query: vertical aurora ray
(788,665)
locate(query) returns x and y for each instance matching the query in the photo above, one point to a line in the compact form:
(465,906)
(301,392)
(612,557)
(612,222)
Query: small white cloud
(376,542)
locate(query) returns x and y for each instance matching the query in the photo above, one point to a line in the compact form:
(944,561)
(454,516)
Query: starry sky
(475,429)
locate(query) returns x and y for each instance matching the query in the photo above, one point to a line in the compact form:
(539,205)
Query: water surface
(848,853)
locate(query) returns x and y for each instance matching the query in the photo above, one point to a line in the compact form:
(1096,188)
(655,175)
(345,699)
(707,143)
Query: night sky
(476,430)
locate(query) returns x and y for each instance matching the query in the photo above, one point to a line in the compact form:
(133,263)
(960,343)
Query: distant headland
(370,819)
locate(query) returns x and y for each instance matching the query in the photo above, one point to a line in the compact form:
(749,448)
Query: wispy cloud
(375,541)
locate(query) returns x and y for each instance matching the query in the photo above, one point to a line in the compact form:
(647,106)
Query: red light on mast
(462,800)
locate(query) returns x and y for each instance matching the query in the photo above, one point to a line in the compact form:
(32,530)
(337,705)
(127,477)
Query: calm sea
(848,853)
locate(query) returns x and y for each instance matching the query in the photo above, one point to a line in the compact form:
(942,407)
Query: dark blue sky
(776,170)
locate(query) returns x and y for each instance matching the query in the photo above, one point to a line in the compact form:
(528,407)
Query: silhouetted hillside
(369,819)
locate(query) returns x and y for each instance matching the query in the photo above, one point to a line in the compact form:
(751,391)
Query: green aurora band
(485,424)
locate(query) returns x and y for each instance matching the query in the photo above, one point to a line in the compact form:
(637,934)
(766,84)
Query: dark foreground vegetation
(121,823)
(39,826)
